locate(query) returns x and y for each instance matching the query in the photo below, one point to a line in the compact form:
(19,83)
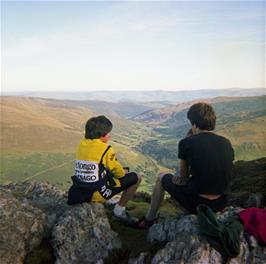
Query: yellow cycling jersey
(92,150)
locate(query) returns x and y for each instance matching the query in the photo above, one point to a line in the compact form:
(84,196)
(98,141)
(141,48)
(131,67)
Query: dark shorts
(189,198)
(128,180)
(78,195)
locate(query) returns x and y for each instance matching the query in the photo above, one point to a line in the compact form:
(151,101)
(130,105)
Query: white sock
(118,210)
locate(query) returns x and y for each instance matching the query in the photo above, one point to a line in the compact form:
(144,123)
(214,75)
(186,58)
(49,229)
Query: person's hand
(177,180)
(126,169)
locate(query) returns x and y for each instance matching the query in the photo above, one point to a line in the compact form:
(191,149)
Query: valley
(39,136)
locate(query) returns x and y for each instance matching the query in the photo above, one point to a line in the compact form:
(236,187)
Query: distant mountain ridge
(119,109)
(39,138)
(144,96)
(35,120)
(166,114)
(242,120)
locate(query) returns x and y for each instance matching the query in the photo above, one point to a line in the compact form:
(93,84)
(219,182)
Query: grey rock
(186,245)
(189,249)
(83,235)
(170,228)
(44,196)
(31,212)
(21,229)
(140,259)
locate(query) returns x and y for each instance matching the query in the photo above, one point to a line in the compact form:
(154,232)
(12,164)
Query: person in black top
(206,161)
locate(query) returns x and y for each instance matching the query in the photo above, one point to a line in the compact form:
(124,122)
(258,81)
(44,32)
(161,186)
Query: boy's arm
(183,173)
(183,147)
(183,168)
(113,164)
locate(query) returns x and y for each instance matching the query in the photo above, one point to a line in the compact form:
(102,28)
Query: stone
(22,228)
(186,245)
(32,212)
(83,235)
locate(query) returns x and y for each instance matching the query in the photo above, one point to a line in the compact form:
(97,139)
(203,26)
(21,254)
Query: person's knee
(160,176)
(136,178)
(139,178)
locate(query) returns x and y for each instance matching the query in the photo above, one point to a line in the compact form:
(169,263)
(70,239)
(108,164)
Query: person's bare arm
(183,168)
(183,172)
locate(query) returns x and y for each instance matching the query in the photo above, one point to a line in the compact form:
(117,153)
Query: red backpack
(254,221)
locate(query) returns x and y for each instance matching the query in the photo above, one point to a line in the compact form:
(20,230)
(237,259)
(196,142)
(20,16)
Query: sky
(132,45)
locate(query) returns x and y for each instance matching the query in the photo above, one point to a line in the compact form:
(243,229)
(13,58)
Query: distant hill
(39,138)
(222,105)
(119,109)
(241,119)
(145,96)
(46,124)
(31,124)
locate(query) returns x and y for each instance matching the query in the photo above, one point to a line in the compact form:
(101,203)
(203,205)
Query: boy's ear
(105,138)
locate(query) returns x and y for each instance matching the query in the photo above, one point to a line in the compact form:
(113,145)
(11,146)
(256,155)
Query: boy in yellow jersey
(98,174)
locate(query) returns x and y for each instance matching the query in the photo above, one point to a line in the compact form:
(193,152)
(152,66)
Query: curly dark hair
(202,115)
(97,127)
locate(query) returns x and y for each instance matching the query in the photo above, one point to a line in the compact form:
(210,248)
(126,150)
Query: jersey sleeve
(113,164)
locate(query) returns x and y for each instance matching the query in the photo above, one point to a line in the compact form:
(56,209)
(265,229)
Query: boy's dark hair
(202,115)
(97,127)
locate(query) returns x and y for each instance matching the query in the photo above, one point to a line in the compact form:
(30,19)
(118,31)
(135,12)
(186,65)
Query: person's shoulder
(107,147)
(223,138)
(94,143)
(186,141)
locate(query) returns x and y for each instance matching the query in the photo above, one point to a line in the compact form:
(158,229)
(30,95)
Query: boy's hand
(126,169)
(178,180)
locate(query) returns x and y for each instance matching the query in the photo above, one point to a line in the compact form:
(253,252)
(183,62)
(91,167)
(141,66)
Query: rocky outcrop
(186,245)
(31,212)
(83,235)
(21,228)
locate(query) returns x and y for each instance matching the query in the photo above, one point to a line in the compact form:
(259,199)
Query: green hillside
(39,139)
(242,120)
(124,109)
(228,111)
(55,168)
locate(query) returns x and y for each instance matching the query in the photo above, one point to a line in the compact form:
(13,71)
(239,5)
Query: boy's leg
(129,192)
(185,194)
(156,199)
(129,185)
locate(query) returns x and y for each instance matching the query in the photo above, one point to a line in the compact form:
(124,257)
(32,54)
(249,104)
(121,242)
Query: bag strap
(104,154)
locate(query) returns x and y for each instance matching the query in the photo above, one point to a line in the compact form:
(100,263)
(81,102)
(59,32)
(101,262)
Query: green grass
(55,168)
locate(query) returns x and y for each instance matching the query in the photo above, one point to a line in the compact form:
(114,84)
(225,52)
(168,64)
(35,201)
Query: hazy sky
(144,45)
